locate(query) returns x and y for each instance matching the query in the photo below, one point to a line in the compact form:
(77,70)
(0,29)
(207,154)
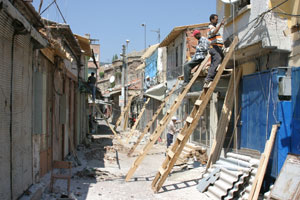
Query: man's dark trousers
(188,68)
(217,56)
(169,139)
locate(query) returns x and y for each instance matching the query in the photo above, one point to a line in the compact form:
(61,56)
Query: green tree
(115,57)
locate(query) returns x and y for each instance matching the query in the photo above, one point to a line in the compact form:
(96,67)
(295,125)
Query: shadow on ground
(179,186)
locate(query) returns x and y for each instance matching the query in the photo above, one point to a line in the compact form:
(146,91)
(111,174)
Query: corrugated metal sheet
(57,127)
(6,32)
(38,97)
(22,116)
(234,176)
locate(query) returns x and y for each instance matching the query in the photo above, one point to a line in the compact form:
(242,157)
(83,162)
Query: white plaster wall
(269,30)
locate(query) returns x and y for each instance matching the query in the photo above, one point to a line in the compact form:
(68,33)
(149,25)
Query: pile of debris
(95,173)
(230,177)
(190,154)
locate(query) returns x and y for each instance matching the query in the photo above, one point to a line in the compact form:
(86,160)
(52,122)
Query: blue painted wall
(296,110)
(151,65)
(261,108)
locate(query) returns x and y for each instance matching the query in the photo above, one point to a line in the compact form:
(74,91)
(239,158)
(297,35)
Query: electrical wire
(258,20)
(288,14)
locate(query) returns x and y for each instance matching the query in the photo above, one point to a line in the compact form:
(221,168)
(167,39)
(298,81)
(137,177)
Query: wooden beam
(138,120)
(149,124)
(224,118)
(259,177)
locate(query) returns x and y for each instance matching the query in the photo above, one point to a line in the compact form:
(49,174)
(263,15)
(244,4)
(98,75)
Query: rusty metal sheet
(287,184)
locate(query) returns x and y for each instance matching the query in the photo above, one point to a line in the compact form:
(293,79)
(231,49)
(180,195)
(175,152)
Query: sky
(115,21)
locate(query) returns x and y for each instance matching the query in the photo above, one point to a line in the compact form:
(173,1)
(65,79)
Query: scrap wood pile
(194,152)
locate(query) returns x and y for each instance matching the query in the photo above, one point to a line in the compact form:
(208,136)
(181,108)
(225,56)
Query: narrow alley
(149,100)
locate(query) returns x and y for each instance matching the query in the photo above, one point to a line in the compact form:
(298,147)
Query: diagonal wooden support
(108,124)
(164,122)
(263,163)
(149,124)
(137,120)
(122,115)
(190,125)
(224,118)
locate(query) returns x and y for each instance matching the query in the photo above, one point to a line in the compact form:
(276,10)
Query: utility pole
(123,54)
(145,35)
(158,34)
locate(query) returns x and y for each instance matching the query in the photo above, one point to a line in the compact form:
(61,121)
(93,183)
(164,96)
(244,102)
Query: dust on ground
(104,165)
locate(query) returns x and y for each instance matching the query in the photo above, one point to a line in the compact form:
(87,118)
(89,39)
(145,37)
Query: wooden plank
(108,124)
(180,137)
(267,153)
(189,119)
(166,119)
(161,170)
(171,154)
(198,102)
(124,111)
(262,158)
(187,130)
(224,118)
(137,121)
(149,124)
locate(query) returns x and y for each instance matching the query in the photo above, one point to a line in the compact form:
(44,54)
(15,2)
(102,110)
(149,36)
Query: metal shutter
(6,32)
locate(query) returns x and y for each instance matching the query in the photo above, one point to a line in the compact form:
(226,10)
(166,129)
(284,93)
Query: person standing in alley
(92,85)
(216,48)
(171,131)
(201,52)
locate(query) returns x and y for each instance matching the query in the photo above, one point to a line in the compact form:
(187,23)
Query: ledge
(239,14)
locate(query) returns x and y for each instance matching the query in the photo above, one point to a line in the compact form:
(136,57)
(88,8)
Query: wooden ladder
(108,124)
(124,111)
(191,123)
(165,120)
(137,120)
(149,124)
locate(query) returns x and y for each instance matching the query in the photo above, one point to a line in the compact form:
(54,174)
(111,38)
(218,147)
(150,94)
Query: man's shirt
(171,128)
(92,80)
(215,39)
(202,48)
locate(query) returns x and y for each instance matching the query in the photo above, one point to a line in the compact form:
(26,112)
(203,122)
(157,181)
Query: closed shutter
(6,32)
(22,115)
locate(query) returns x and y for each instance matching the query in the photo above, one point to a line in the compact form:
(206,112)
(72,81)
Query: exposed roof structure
(57,30)
(84,44)
(177,30)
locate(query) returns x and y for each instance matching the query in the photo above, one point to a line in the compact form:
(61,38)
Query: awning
(157,92)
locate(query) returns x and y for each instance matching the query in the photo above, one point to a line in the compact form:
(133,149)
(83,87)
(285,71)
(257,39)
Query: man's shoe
(183,84)
(207,84)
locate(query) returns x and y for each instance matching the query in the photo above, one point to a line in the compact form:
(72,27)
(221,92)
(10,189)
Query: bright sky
(115,21)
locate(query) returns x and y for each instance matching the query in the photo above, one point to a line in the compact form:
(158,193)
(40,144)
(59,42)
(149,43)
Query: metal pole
(145,38)
(123,74)
(158,35)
